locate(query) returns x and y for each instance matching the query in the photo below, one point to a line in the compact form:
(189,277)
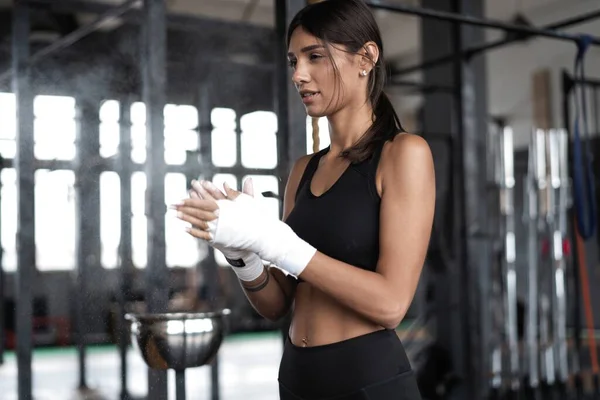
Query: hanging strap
(583,172)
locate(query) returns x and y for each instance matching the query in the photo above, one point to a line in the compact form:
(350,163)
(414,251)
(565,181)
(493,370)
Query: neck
(347,125)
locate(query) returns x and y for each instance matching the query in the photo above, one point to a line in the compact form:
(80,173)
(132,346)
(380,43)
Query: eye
(315,57)
(292,63)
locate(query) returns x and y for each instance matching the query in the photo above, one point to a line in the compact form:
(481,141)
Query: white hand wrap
(247,265)
(243,224)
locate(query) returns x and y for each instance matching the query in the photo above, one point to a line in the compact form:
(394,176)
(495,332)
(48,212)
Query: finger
(202,192)
(248,187)
(196,222)
(194,194)
(197,233)
(231,194)
(201,204)
(196,213)
(213,190)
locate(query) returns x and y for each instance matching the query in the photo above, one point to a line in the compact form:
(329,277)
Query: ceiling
(401,32)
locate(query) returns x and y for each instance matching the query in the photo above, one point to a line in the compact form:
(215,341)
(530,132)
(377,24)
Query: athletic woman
(358,217)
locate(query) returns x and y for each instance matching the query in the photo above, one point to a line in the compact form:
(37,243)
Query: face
(324,90)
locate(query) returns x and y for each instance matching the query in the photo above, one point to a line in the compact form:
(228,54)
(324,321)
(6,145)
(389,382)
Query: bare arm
(406,218)
(274,300)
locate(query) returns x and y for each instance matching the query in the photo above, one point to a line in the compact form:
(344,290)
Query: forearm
(267,296)
(365,292)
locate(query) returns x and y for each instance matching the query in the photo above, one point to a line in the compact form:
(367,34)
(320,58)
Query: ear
(369,56)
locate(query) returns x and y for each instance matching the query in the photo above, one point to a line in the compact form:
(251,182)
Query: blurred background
(108,109)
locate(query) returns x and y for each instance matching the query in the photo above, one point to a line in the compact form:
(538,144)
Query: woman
(358,218)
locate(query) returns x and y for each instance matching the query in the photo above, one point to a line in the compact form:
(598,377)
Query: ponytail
(385,126)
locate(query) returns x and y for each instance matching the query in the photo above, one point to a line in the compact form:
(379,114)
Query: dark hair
(351,24)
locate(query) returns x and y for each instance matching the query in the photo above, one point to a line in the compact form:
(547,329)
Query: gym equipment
(178,341)
(547,204)
(504,278)
(571,87)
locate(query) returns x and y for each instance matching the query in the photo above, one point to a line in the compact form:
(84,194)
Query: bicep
(407,211)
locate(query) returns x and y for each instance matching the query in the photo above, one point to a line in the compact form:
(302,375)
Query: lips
(308,95)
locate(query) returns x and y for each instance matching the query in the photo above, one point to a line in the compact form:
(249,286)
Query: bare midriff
(318,319)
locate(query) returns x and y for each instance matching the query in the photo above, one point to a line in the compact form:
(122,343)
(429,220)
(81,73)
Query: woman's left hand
(201,207)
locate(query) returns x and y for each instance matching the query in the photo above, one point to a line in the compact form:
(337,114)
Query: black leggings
(369,367)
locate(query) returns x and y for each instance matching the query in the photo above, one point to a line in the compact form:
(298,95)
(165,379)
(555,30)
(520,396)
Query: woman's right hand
(247,265)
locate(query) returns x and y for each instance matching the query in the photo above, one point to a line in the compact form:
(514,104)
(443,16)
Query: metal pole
(291,121)
(154,50)
(209,266)
(472,51)
(532,205)
(25,166)
(125,246)
(472,242)
(567,86)
(474,21)
(507,185)
(82,184)
(76,35)
(2,277)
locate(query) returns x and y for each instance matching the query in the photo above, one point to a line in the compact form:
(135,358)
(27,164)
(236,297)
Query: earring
(364,72)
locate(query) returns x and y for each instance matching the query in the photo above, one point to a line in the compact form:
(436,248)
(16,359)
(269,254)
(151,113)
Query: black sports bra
(343,222)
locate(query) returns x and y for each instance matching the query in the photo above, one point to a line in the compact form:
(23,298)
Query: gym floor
(248,370)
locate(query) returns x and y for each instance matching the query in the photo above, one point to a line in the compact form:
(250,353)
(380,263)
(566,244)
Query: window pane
(8,215)
(138,143)
(223,148)
(8,146)
(54,107)
(110,218)
(55,127)
(178,143)
(259,141)
(180,137)
(109,139)
(223,137)
(138,113)
(139,227)
(223,118)
(181,117)
(109,111)
(109,128)
(55,219)
(183,250)
(55,138)
(138,132)
(324,139)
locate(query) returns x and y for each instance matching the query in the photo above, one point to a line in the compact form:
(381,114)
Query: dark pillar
(88,224)
(208,266)
(24,162)
(154,85)
(462,286)
(1,277)
(291,116)
(125,246)
(475,233)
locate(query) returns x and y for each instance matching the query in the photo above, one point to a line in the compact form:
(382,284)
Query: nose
(300,75)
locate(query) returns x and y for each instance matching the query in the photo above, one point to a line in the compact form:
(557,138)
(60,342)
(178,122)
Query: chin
(315,113)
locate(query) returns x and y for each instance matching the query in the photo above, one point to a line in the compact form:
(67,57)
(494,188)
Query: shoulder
(407,145)
(406,155)
(299,166)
